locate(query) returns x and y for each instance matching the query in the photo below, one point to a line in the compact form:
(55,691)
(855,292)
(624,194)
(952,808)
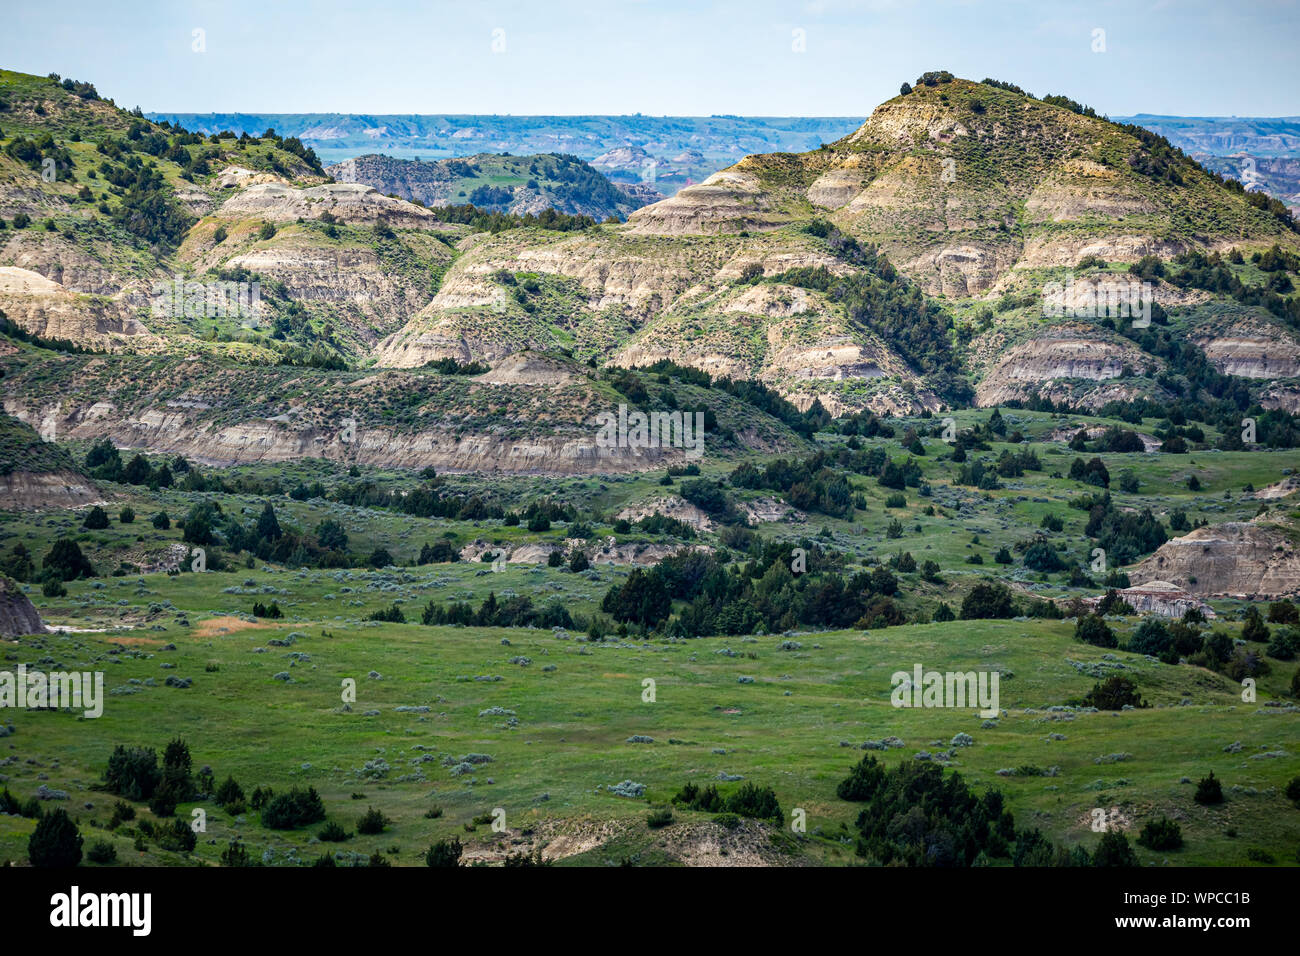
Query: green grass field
(572,708)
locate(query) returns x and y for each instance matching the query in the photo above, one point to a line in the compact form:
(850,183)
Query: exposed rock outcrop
(1240,559)
(17,614)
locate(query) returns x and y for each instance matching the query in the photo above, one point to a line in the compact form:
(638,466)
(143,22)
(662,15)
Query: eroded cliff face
(17,614)
(530,415)
(350,203)
(30,490)
(46,308)
(1252,351)
(1254,559)
(1060,352)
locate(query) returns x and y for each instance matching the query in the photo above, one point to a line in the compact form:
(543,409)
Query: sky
(659,57)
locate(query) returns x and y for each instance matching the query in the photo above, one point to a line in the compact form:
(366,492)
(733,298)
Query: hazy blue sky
(657,56)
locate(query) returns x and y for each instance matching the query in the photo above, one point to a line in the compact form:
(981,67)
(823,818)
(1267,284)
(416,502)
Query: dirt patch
(224,626)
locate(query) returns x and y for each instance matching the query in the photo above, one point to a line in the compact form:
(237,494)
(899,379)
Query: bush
(444,853)
(102,852)
(66,562)
(1114,693)
(658,819)
(126,515)
(1092,629)
(293,809)
(55,842)
(235,855)
(228,792)
(914,815)
(372,821)
(1041,556)
(987,601)
(96,519)
(333,833)
(132,773)
(178,838)
(1161,834)
(1209,791)
(1113,850)
(1151,637)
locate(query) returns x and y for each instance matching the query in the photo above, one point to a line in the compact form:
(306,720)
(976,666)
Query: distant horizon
(759,116)
(769,58)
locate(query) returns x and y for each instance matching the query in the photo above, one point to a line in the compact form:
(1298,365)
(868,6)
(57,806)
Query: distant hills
(665,151)
(1225,135)
(916,263)
(515,184)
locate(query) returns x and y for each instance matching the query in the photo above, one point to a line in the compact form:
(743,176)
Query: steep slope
(35,472)
(534,416)
(17,614)
(973,191)
(1258,559)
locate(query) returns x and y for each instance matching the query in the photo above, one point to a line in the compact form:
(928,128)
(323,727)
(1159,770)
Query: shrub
(132,773)
(122,812)
(914,815)
(333,833)
(1151,637)
(658,819)
(96,519)
(444,853)
(178,838)
(1161,834)
(1092,629)
(235,855)
(102,852)
(1113,850)
(126,515)
(293,809)
(228,792)
(1041,556)
(55,842)
(372,821)
(1114,693)
(1209,791)
(992,600)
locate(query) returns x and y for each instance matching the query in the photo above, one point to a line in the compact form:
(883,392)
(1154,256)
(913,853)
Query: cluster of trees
(133,773)
(1124,535)
(879,299)
(764,593)
(516,611)
(758,803)
(915,814)
(63,562)
(1184,639)
(486,220)
(811,484)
